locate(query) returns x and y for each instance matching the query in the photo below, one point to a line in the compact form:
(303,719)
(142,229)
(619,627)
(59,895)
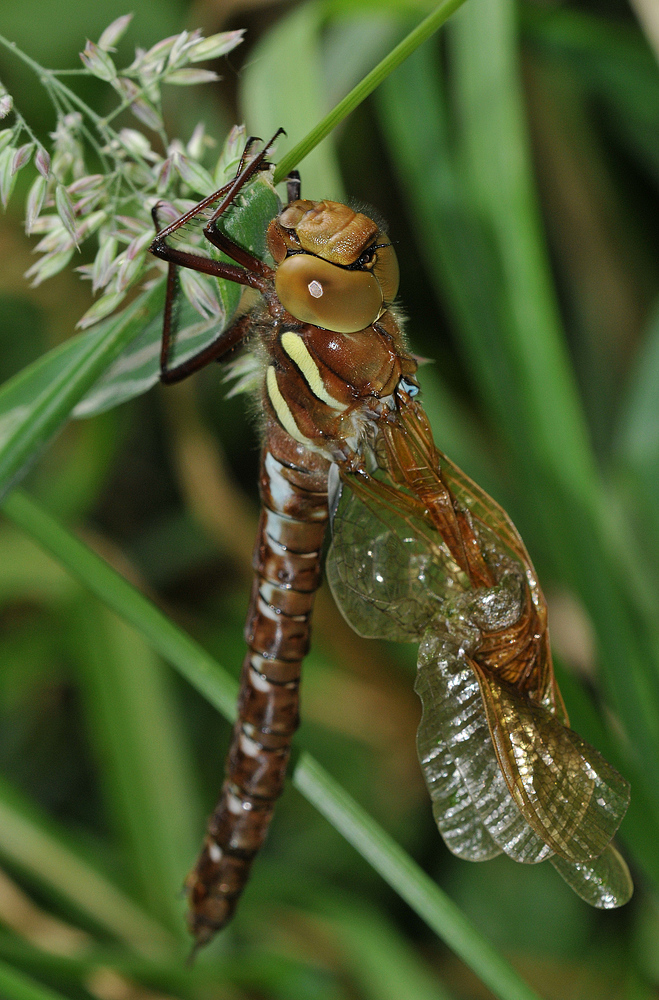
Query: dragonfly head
(336,268)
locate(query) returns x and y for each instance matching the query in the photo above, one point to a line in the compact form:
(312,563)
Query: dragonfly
(419,553)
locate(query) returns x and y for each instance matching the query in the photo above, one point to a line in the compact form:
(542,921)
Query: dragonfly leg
(216,268)
(255,268)
(219,239)
(214,351)
(252,271)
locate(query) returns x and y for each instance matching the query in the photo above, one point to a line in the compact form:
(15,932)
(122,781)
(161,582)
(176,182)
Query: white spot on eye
(315,289)
(214,852)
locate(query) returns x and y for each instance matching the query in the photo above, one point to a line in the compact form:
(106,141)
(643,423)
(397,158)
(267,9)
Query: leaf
(638,433)
(35,404)
(22,156)
(190,77)
(42,161)
(6,135)
(34,202)
(16,985)
(200,293)
(48,266)
(194,175)
(101,308)
(215,45)
(7,175)
(65,211)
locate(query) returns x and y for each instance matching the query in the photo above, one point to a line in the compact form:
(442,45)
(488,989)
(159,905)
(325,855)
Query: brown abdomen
(287,575)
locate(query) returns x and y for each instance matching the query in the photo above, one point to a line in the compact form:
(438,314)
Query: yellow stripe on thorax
(281,408)
(297,350)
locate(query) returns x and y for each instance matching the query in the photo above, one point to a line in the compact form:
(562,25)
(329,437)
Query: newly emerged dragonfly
(419,554)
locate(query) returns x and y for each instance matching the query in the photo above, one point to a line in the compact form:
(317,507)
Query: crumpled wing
(567,792)
(604,882)
(503,770)
(473,808)
(475,812)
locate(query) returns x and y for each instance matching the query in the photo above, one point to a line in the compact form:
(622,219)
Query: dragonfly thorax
(324,387)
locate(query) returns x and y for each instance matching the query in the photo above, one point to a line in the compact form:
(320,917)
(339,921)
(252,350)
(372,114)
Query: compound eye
(386,270)
(317,292)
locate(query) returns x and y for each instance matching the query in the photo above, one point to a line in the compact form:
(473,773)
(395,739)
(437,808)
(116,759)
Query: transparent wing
(456,816)
(568,793)
(387,573)
(421,553)
(604,883)
(472,805)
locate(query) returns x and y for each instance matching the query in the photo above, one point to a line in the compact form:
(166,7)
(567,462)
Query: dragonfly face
(336,270)
(419,553)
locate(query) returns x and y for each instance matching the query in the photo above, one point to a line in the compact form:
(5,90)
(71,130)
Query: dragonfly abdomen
(287,574)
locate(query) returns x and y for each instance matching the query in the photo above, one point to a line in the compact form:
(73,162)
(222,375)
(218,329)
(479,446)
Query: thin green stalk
(366,86)
(376,846)
(58,90)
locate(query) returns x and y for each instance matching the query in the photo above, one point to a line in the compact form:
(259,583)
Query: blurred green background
(516,159)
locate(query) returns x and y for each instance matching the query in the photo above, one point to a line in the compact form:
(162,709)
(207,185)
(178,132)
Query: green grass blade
(637,442)
(399,54)
(497,159)
(393,864)
(29,842)
(408,880)
(276,91)
(616,64)
(143,757)
(380,959)
(455,249)
(35,403)
(15,985)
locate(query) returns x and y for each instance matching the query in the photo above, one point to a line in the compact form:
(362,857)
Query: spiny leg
(252,268)
(251,273)
(214,351)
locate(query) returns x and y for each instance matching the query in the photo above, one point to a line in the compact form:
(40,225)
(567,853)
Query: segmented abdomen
(287,575)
